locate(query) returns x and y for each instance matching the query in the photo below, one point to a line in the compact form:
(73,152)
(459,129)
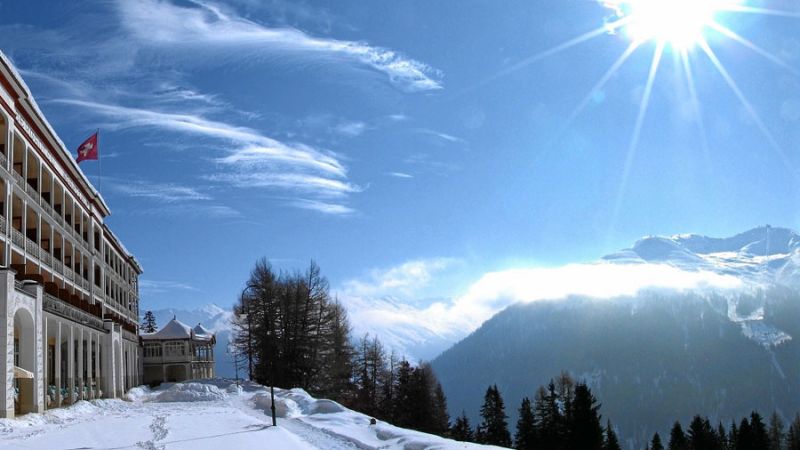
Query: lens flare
(678,23)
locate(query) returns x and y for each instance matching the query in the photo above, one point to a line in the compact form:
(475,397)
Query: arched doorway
(24,362)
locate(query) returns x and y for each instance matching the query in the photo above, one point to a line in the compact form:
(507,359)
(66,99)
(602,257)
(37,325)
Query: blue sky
(410,148)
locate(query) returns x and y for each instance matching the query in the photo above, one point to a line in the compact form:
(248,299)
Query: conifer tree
(776,436)
(733,436)
(793,436)
(611,440)
(677,438)
(656,444)
(722,437)
(744,437)
(700,435)
(525,437)
(494,428)
(148,323)
(759,431)
(549,419)
(584,430)
(440,418)
(461,430)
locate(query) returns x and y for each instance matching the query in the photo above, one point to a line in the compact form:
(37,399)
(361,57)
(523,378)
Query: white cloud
(161,23)
(164,192)
(383,302)
(272,151)
(310,184)
(160,287)
(405,279)
(351,128)
(333,209)
(400,175)
(440,135)
(253,161)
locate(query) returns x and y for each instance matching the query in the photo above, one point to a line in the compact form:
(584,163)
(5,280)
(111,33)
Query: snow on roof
(200,331)
(175,329)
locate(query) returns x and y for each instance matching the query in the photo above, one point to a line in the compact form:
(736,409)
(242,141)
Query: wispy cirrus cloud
(440,135)
(304,183)
(333,209)
(162,286)
(400,175)
(160,24)
(252,160)
(163,192)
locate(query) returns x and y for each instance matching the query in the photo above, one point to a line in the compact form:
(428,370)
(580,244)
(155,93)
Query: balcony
(71,312)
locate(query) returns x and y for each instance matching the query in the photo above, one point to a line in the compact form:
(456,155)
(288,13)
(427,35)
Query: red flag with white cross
(88,150)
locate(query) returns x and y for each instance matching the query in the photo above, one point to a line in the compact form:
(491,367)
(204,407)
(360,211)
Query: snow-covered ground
(210,414)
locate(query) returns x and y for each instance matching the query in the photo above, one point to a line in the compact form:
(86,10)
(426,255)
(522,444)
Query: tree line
(290,332)
(750,434)
(564,415)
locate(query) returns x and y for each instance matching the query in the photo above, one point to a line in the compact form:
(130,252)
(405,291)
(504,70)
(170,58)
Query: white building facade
(69,300)
(177,353)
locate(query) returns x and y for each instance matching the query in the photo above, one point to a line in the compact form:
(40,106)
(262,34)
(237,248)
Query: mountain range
(658,355)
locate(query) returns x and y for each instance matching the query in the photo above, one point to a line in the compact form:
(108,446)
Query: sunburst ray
(749,108)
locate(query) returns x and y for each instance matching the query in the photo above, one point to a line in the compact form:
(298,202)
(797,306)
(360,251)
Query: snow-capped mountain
(764,254)
(214,319)
(660,354)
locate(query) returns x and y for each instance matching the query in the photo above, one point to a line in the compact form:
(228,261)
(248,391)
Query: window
(152,350)
(174,349)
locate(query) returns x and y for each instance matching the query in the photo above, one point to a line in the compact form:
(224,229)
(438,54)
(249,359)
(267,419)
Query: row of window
(169,349)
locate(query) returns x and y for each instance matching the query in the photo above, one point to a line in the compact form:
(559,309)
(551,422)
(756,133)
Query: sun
(681,24)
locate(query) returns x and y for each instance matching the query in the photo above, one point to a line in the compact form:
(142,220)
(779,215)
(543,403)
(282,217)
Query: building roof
(175,329)
(200,331)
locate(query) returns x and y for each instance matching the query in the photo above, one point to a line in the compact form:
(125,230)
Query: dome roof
(174,329)
(200,331)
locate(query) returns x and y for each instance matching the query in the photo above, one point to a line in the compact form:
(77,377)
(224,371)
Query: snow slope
(211,414)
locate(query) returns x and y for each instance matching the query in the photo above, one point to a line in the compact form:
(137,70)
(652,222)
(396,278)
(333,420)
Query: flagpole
(100,166)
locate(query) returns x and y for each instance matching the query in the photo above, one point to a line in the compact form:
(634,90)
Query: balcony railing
(58,266)
(46,258)
(31,248)
(3,160)
(32,192)
(68,311)
(18,179)
(18,238)
(129,336)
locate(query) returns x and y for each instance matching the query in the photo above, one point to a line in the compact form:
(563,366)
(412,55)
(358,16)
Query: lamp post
(271,361)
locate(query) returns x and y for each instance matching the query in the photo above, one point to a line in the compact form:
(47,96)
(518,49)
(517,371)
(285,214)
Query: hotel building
(69,301)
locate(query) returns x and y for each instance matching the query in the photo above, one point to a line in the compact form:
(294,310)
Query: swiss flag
(88,150)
